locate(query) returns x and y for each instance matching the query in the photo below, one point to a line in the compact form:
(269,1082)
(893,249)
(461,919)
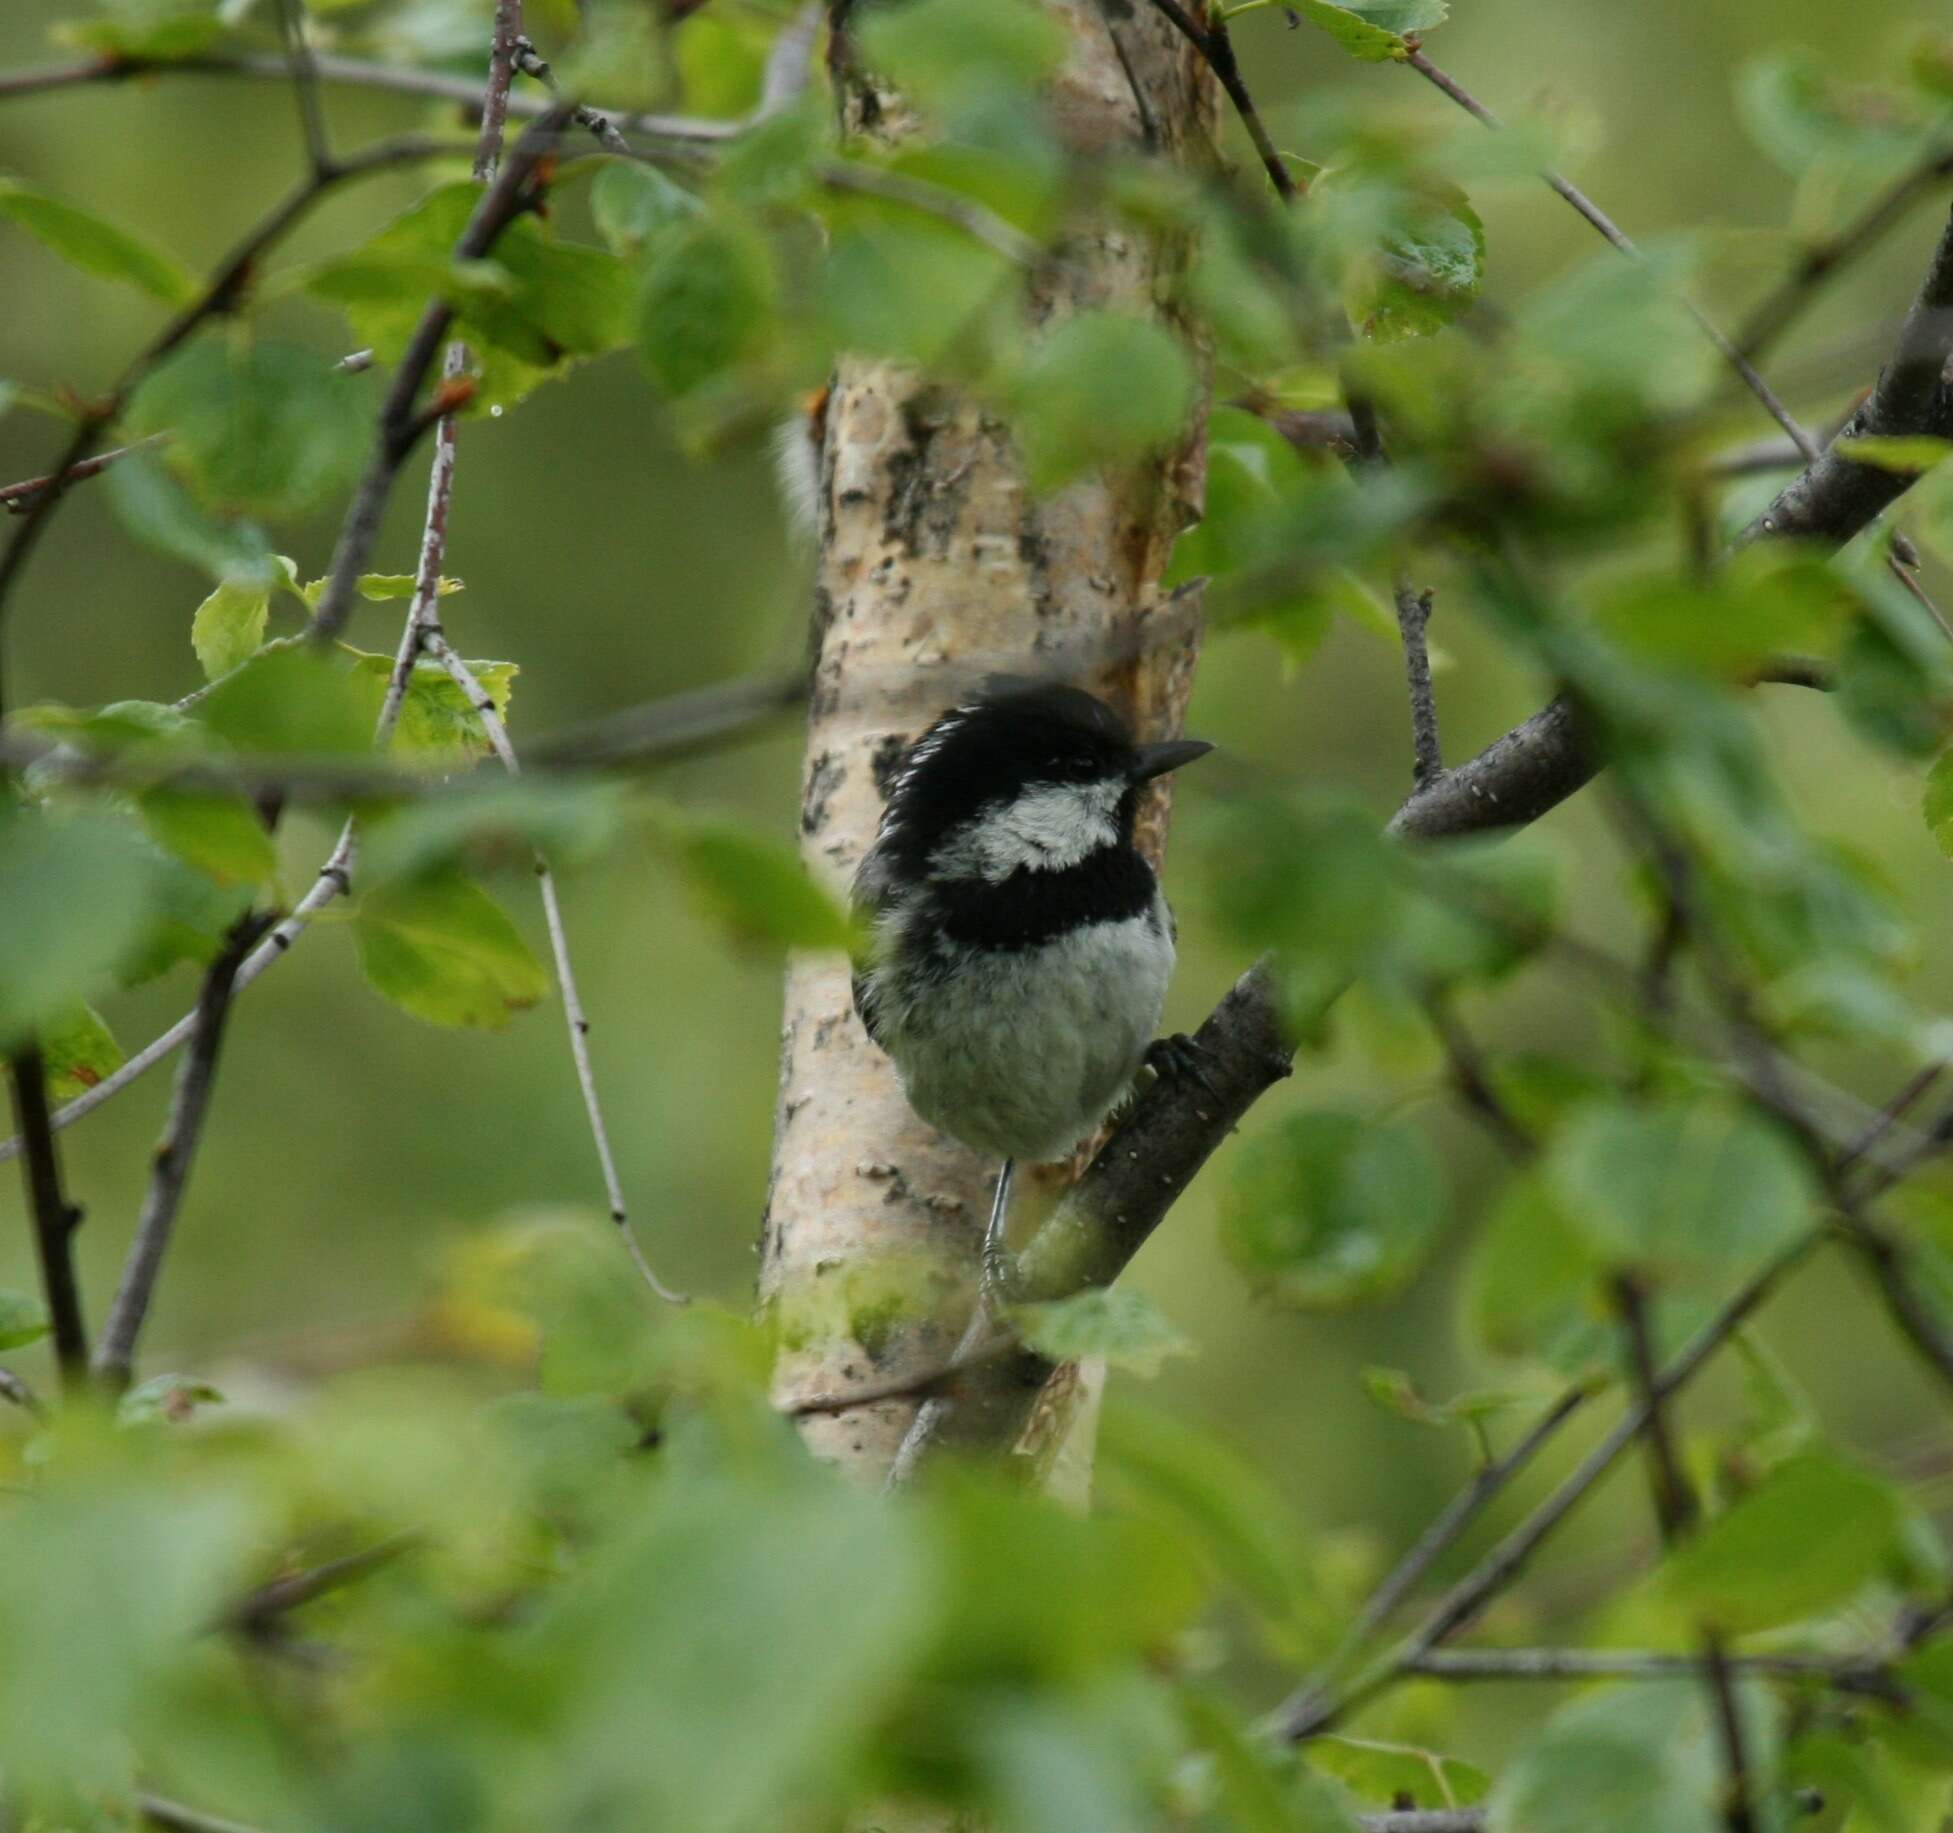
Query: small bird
(1018,948)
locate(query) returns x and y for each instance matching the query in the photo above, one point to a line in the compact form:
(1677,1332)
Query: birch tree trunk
(937,564)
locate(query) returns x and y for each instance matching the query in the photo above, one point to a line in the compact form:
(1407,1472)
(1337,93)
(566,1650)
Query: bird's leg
(997,1270)
(1180,1058)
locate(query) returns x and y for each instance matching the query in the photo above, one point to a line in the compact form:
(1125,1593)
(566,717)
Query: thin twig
(17,498)
(1674,1501)
(1214,44)
(55,1218)
(1614,234)
(1739,1815)
(159,1811)
(516,190)
(176,1151)
(1312,1711)
(1472,1080)
(305,79)
(257,1612)
(1853,1673)
(1779,309)
(598,125)
(16,1391)
(1413,620)
(437,645)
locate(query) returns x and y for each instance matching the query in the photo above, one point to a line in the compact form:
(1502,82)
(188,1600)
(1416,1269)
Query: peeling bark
(938,565)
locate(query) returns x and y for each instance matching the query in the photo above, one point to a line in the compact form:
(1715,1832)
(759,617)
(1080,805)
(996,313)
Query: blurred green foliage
(607,1588)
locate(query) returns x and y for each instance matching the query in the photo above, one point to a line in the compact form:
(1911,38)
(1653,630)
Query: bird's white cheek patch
(1046,829)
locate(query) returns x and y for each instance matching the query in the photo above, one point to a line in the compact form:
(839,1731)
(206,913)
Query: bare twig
(1674,1501)
(175,1153)
(1312,1711)
(1413,620)
(305,79)
(55,1218)
(18,1393)
(464,678)
(598,125)
(1853,1673)
(1614,234)
(1214,44)
(1473,1082)
(1779,310)
(159,1811)
(1739,1815)
(1833,498)
(257,1612)
(18,498)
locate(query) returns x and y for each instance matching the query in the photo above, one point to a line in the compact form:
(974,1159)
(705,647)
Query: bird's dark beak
(1150,761)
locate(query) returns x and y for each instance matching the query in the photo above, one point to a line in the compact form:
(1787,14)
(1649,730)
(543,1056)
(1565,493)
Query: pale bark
(938,564)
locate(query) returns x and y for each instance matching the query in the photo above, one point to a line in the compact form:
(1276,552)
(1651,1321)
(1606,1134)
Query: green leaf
(733,1606)
(493,824)
(1908,456)
(755,887)
(96,247)
(155,508)
(290,700)
(1533,1292)
(1219,1505)
(219,835)
(632,202)
(1399,1773)
(1373,30)
(1809,1537)
(905,286)
(1641,1757)
(76,893)
(706,305)
(441,948)
(946,55)
(384,587)
(1799,113)
(1938,802)
(1702,1184)
(23,1320)
(1328,1209)
(1394,1389)
(1102,389)
(154,31)
(437,721)
(1125,1328)
(259,428)
(78,1050)
(229,625)
(1426,272)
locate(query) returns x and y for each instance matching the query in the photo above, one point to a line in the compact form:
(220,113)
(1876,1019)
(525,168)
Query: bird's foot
(1182,1060)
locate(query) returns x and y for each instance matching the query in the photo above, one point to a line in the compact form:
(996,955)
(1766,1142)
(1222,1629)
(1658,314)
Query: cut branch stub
(938,564)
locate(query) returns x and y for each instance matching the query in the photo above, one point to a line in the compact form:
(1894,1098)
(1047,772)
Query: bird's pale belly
(1021,1053)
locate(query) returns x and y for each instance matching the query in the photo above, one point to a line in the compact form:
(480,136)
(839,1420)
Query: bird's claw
(1182,1060)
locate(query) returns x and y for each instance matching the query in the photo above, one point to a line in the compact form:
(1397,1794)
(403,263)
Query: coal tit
(1018,948)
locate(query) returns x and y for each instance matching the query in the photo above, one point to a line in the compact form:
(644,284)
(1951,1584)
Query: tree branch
(1311,1710)
(1674,1501)
(305,80)
(1779,310)
(1618,238)
(1738,1813)
(55,1218)
(176,1151)
(1413,619)
(1832,499)
(1214,44)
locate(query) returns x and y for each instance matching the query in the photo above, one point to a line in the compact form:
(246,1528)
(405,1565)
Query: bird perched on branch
(1018,946)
